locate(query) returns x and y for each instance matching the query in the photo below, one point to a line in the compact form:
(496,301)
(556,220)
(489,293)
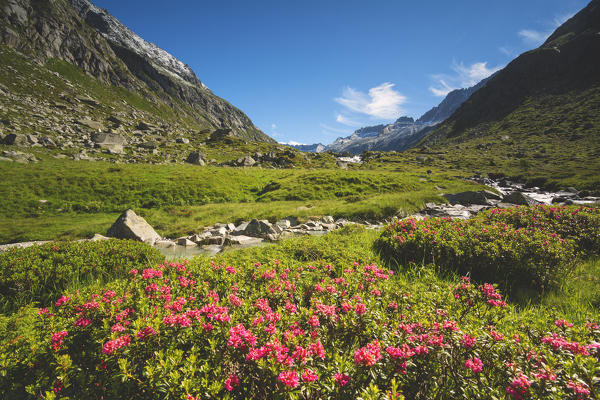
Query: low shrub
(40,273)
(578,223)
(308,332)
(520,247)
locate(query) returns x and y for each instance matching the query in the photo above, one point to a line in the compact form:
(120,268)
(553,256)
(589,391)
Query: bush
(577,223)
(40,273)
(272,332)
(518,248)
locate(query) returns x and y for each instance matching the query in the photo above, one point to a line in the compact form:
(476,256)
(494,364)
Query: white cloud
(534,37)
(464,76)
(381,102)
(273,126)
(342,119)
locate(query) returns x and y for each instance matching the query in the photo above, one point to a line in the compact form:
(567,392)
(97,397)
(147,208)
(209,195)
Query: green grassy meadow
(62,199)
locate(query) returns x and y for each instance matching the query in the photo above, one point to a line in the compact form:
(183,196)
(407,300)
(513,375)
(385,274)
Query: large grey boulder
(246,161)
(196,158)
(131,226)
(481,197)
(261,228)
(111,141)
(519,198)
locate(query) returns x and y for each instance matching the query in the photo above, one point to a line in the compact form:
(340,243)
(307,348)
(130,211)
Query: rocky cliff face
(84,35)
(405,132)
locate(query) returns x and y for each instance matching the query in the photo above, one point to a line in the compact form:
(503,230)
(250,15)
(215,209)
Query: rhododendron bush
(299,332)
(522,246)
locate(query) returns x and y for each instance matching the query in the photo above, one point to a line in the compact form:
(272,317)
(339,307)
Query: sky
(313,70)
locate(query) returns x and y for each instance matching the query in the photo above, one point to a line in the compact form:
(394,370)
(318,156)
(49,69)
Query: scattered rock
(185,242)
(467,198)
(131,226)
(98,237)
(110,141)
(182,140)
(519,198)
(243,240)
(15,139)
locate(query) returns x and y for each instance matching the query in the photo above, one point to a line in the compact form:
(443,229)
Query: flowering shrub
(522,246)
(274,331)
(40,273)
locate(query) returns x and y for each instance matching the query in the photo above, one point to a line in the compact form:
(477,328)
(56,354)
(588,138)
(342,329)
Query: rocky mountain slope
(91,52)
(405,132)
(538,117)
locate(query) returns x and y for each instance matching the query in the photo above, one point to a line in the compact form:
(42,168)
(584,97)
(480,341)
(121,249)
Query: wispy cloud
(464,76)
(293,143)
(380,102)
(273,126)
(535,37)
(344,120)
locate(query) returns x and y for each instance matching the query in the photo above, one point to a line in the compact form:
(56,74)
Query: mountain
(70,37)
(538,117)
(309,148)
(404,132)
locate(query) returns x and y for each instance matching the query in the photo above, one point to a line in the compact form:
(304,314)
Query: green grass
(82,198)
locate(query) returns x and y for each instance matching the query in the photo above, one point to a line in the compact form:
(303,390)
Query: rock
(131,226)
(468,198)
(144,126)
(98,237)
(218,231)
(47,142)
(342,165)
(199,238)
(185,242)
(182,140)
(287,222)
(95,125)
(110,141)
(196,158)
(328,227)
(165,243)
(240,229)
(519,198)
(216,240)
(246,161)
(243,240)
(328,219)
(261,228)
(212,249)
(16,139)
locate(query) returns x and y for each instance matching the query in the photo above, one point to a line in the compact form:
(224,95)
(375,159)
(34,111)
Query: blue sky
(311,71)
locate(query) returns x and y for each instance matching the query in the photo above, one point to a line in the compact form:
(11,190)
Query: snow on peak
(117,33)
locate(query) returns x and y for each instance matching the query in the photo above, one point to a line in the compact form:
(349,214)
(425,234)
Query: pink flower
(360,308)
(116,344)
(83,322)
(144,333)
(289,378)
(309,376)
(580,389)
(519,387)
(468,341)
(62,300)
(314,321)
(368,355)
(236,301)
(231,382)
(342,379)
(57,339)
(474,364)
(562,322)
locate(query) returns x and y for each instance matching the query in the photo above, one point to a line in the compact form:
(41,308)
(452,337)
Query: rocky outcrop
(131,226)
(481,197)
(519,198)
(78,32)
(110,141)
